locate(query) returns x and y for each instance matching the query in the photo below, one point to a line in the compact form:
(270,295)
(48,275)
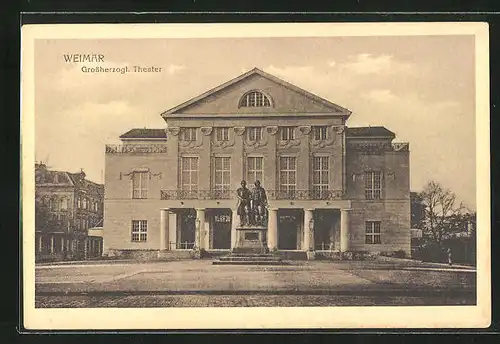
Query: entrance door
(187,224)
(288,225)
(324,228)
(221,229)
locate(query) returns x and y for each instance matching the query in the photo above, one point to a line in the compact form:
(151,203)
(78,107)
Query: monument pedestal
(250,249)
(251,240)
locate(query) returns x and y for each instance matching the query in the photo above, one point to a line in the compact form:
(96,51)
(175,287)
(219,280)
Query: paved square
(200,284)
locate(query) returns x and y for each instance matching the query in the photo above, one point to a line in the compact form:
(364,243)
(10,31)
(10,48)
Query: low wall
(148,254)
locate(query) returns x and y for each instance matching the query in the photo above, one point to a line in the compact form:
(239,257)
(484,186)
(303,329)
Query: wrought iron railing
(324,246)
(136,148)
(271,194)
(198,194)
(184,245)
(305,194)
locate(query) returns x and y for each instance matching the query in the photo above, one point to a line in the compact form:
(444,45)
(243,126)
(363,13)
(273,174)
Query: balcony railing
(136,148)
(271,194)
(198,194)
(305,194)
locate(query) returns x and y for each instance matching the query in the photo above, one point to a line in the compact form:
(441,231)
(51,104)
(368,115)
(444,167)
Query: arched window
(53,204)
(63,203)
(255,99)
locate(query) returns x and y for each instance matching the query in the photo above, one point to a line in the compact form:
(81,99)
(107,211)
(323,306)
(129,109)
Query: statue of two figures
(252,205)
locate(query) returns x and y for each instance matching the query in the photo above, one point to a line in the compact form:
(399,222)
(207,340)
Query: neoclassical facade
(330,187)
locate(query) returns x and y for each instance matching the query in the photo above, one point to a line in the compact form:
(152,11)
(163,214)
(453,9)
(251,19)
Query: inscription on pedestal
(252,236)
(251,240)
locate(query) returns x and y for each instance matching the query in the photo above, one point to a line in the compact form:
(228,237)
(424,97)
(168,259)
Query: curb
(392,259)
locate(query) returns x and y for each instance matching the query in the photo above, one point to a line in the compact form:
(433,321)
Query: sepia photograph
(318,175)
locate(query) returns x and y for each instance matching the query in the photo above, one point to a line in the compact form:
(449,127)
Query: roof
(44,176)
(369,132)
(257,71)
(143,133)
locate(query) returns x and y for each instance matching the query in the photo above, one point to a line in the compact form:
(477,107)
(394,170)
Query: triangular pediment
(285,98)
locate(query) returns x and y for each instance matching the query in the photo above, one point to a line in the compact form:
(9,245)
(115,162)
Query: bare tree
(440,207)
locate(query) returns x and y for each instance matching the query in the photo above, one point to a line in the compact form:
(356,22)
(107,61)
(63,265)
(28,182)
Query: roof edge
(266,75)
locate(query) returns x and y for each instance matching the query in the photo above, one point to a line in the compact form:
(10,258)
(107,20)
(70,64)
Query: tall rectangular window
(288,176)
(139,185)
(188,134)
(320,133)
(139,230)
(320,177)
(372,232)
(189,176)
(222,134)
(372,184)
(222,176)
(287,133)
(254,134)
(255,169)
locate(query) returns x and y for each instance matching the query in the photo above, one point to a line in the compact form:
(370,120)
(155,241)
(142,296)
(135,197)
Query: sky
(420,87)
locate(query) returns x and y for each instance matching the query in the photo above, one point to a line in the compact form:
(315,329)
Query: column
(234,223)
(272,229)
(308,231)
(52,246)
(62,244)
(172,230)
(344,230)
(85,249)
(40,243)
(200,228)
(163,229)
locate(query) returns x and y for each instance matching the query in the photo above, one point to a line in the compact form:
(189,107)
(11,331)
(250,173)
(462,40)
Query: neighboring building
(330,187)
(67,205)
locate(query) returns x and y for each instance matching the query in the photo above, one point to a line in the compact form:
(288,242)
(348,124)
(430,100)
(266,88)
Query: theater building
(330,187)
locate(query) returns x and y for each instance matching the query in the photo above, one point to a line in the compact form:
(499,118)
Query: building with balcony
(66,206)
(330,187)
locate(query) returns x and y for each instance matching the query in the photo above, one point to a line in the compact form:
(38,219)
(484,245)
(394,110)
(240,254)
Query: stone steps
(249,262)
(248,259)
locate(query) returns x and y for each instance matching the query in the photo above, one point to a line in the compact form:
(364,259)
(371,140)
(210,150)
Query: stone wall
(392,210)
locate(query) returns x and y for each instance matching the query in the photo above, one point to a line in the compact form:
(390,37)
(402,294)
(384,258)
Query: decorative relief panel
(239,130)
(206,130)
(339,129)
(223,144)
(258,143)
(305,129)
(379,147)
(174,130)
(288,143)
(401,146)
(272,129)
(195,143)
(136,149)
(130,174)
(326,143)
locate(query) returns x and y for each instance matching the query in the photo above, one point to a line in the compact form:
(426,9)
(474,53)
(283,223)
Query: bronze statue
(258,205)
(243,209)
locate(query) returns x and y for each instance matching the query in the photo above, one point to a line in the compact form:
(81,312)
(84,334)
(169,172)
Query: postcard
(255,176)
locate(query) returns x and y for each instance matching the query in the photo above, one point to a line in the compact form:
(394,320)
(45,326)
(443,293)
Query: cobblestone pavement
(201,284)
